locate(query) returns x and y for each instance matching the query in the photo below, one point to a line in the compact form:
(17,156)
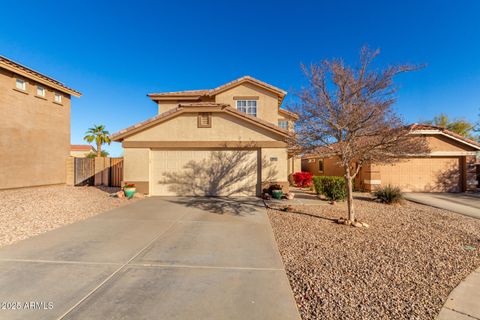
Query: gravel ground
(402,267)
(27,212)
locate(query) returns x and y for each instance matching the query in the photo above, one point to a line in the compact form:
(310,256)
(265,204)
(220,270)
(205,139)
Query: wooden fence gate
(95,171)
(116,172)
(84,171)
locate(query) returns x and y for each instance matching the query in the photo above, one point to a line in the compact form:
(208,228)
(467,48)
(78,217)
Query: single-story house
(449,167)
(35,130)
(81,150)
(226,141)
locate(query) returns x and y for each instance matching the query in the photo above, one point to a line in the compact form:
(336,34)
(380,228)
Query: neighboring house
(226,141)
(35,127)
(81,150)
(448,168)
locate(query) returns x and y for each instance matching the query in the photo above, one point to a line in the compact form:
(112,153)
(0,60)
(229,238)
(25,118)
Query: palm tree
(94,155)
(98,134)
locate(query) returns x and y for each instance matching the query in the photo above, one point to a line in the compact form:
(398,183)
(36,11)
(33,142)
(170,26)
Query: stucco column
(470,173)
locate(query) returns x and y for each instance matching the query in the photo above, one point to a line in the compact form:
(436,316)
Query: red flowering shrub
(302,179)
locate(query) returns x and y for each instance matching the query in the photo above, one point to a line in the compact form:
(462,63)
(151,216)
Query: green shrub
(388,194)
(333,188)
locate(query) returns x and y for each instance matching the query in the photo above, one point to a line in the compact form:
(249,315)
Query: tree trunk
(99,149)
(349,180)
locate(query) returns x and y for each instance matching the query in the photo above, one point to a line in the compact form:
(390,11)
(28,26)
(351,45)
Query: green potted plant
(276,191)
(129,189)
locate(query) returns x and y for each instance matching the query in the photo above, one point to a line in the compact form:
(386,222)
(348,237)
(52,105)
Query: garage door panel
(423,175)
(204,173)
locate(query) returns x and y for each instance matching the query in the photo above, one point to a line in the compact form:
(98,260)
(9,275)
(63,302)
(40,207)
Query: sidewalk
(463,303)
(467,204)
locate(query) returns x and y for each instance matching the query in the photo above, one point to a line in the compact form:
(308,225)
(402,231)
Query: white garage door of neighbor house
(203,173)
(424,174)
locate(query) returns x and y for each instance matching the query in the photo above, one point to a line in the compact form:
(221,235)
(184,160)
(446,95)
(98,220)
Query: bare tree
(347,111)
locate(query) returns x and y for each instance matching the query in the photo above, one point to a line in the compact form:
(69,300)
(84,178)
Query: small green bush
(333,188)
(388,194)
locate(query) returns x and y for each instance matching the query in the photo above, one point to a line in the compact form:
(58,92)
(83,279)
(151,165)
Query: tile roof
(160,116)
(117,136)
(288,113)
(81,147)
(250,79)
(180,93)
(211,92)
(426,128)
(34,75)
(258,120)
(203,104)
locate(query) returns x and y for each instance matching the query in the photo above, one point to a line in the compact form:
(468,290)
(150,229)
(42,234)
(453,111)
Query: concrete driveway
(160,258)
(464,203)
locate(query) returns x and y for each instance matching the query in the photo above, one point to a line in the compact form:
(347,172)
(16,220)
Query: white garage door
(203,173)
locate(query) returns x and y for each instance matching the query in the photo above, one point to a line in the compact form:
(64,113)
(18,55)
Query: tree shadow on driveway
(240,206)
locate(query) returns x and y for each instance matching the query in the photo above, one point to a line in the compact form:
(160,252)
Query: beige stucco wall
(165,105)
(442,143)
(34,135)
(436,173)
(224,128)
(267,103)
(136,164)
(274,164)
(294,165)
(184,128)
(331,167)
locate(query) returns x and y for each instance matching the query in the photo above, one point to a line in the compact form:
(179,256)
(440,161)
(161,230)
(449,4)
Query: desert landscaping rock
(31,211)
(403,267)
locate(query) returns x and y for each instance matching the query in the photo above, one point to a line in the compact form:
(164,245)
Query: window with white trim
(283,124)
(247,106)
(21,84)
(58,97)
(41,91)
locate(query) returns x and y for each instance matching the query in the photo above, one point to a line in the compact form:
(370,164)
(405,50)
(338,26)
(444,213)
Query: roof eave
(446,133)
(281,93)
(121,135)
(39,79)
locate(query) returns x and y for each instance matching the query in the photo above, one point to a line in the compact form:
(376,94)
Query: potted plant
(276,191)
(129,189)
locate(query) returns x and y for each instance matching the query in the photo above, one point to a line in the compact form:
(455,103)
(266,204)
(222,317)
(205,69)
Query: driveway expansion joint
(161,265)
(462,313)
(148,256)
(64,262)
(123,266)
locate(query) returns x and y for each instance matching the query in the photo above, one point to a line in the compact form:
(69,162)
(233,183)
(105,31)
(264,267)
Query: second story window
(247,106)
(41,91)
(58,97)
(21,84)
(283,124)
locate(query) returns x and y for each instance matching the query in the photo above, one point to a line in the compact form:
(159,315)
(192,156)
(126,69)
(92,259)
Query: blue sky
(117,52)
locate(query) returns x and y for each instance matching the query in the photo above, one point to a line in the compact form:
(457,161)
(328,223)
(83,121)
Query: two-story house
(226,141)
(35,127)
